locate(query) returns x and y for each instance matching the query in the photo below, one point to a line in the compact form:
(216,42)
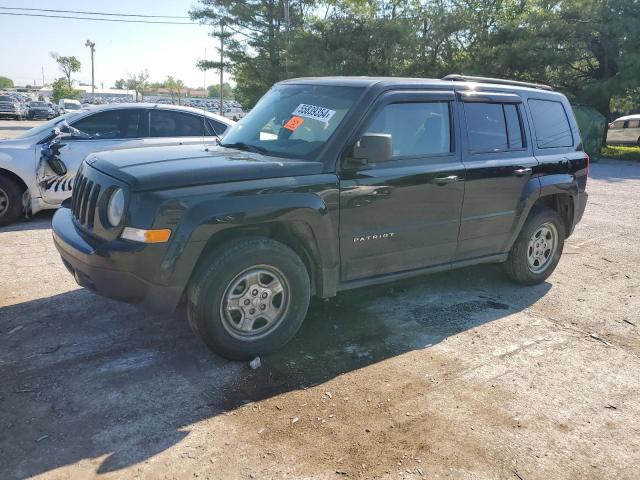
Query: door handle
(522,171)
(445,180)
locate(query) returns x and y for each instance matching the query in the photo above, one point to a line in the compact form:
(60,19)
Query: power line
(95,19)
(92,13)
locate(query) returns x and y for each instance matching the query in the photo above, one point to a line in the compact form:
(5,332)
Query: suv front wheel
(248,298)
(537,250)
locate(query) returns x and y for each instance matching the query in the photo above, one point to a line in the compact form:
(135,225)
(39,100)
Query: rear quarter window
(551,124)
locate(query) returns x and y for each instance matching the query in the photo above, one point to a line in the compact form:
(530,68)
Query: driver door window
(416,129)
(111,125)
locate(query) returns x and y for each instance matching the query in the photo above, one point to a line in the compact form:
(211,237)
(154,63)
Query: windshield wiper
(245,147)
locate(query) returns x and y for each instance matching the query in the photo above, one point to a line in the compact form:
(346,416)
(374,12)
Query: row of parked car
(19,106)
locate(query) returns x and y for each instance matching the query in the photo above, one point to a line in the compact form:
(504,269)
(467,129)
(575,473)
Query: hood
(156,168)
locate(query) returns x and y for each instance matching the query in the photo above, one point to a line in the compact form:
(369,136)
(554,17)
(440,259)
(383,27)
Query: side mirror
(372,148)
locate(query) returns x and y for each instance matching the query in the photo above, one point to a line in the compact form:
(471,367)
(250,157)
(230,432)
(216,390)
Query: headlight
(115,207)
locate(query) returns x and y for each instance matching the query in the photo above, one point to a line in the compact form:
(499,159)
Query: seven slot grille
(85,200)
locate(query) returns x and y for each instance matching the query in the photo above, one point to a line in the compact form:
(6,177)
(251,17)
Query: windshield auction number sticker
(311,111)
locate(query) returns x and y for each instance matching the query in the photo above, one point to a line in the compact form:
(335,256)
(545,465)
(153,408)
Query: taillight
(588,162)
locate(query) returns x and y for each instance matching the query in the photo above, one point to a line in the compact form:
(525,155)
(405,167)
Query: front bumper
(41,114)
(110,272)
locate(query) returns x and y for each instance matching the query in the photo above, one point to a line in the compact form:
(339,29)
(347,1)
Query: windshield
(38,104)
(47,126)
(293,120)
(6,98)
(71,106)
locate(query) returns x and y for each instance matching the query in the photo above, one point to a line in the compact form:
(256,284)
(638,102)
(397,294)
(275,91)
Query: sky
(121,48)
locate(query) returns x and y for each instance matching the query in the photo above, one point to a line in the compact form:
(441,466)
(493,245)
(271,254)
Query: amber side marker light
(146,236)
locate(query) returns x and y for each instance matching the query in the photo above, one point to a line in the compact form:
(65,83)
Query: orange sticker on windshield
(294,123)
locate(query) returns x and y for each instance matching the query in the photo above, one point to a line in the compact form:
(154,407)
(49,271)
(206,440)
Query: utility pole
(221,65)
(92,46)
(287,21)
(42,68)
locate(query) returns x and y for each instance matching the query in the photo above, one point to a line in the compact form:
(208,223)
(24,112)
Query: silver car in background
(28,183)
(624,131)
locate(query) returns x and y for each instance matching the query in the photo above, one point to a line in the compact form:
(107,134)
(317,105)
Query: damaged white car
(37,168)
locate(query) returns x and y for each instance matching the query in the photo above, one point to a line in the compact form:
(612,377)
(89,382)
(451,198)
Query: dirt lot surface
(11,128)
(456,375)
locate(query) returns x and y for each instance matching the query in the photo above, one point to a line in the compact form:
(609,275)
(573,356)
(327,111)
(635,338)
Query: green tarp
(592,125)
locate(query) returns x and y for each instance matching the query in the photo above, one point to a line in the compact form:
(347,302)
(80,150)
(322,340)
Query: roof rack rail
(500,81)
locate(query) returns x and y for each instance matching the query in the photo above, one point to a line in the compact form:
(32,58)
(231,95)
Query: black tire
(517,265)
(218,272)
(10,200)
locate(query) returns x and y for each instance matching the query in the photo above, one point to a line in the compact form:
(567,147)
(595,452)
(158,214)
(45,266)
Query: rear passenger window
(167,123)
(551,124)
(416,129)
(514,126)
(633,124)
(493,127)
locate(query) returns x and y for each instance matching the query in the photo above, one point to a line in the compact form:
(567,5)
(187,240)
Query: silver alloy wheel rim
(255,302)
(4,202)
(542,247)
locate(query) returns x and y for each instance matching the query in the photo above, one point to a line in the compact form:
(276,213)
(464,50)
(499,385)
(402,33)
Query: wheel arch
(13,176)
(557,199)
(562,203)
(297,235)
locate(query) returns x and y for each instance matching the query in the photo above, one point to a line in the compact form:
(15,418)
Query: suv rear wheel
(10,201)
(248,298)
(536,253)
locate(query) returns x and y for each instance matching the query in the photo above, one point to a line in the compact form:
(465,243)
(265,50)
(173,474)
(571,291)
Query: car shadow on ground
(83,377)
(40,221)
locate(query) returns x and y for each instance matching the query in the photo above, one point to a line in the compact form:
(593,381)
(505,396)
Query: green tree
(67,65)
(142,84)
(138,83)
(179,86)
(626,104)
(171,85)
(256,40)
(6,82)
(214,91)
(61,90)
(120,84)
(584,48)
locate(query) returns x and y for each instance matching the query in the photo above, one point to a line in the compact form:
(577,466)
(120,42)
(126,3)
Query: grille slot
(93,200)
(85,200)
(79,193)
(86,191)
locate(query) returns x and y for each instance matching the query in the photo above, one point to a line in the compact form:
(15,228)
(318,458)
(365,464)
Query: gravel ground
(11,128)
(457,375)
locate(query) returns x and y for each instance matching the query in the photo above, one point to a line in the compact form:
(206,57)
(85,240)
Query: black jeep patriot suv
(329,184)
